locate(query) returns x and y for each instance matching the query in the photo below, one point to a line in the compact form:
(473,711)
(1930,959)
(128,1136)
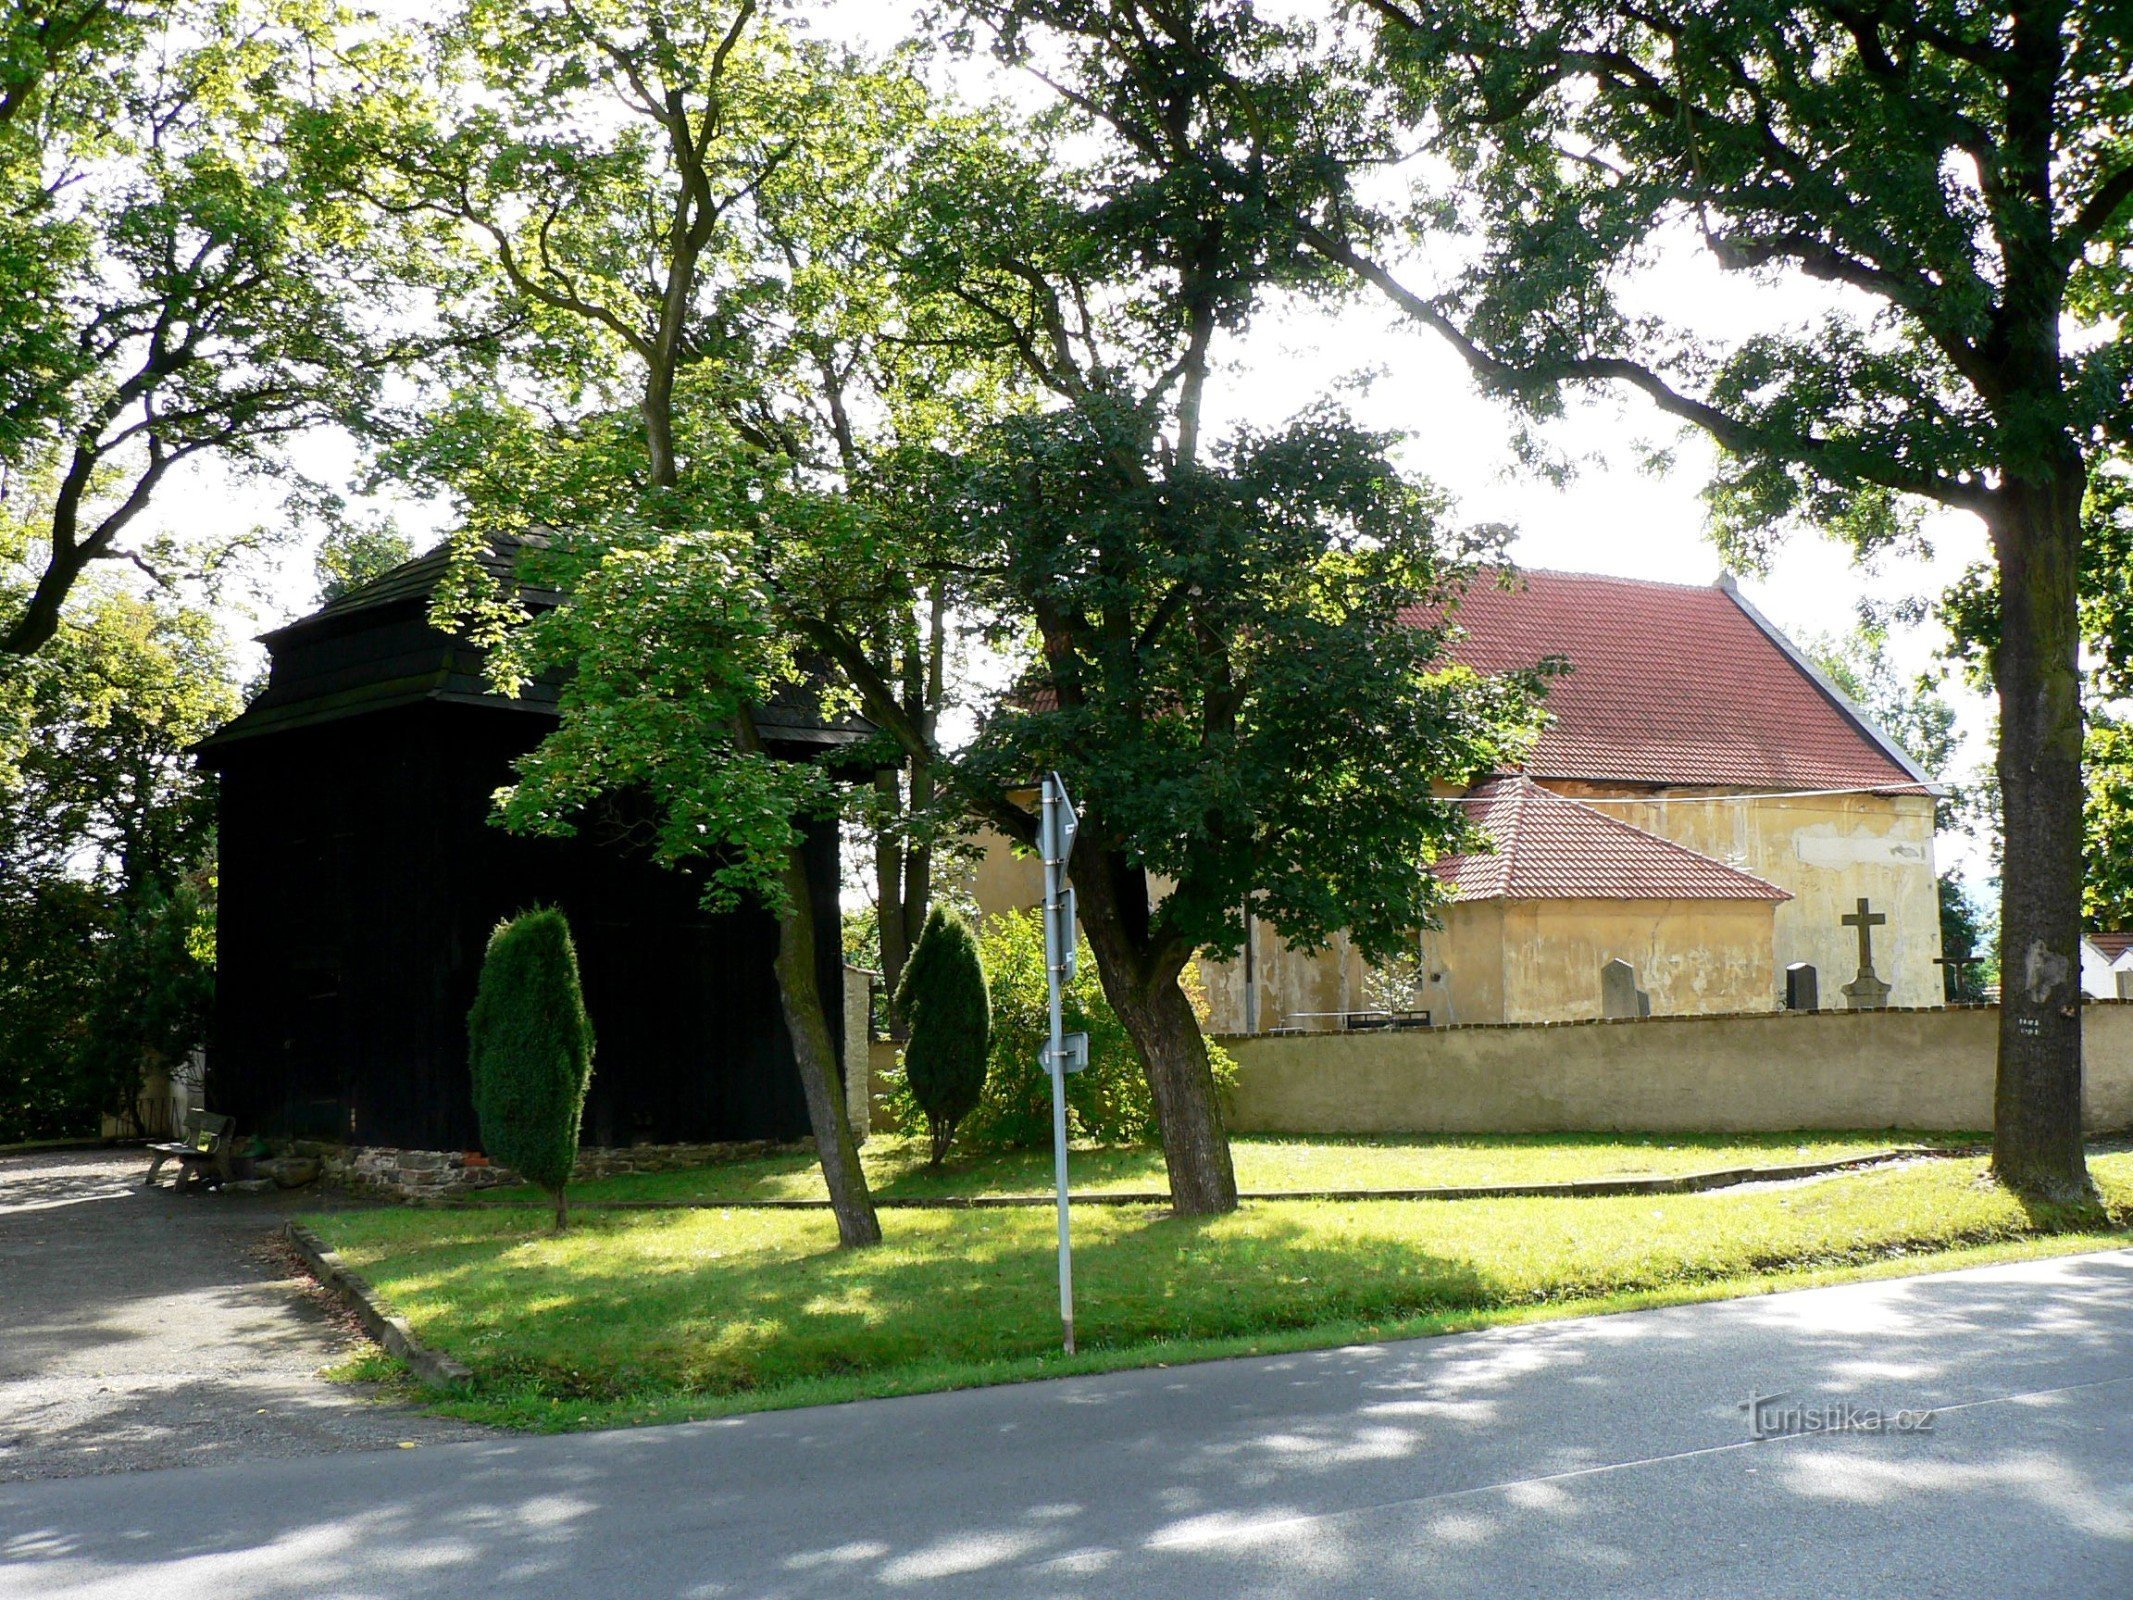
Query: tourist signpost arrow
(1063,1052)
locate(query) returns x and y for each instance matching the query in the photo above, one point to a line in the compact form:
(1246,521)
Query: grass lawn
(658,1316)
(897,1167)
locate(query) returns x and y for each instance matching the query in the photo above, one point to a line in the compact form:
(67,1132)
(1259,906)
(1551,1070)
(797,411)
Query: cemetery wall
(1928,1068)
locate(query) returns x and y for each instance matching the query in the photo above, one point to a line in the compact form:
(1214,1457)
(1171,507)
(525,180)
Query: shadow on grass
(648,1309)
(898,1170)
(713,1304)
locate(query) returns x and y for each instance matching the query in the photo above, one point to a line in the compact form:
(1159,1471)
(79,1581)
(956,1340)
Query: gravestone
(1619,994)
(1802,987)
(1866,992)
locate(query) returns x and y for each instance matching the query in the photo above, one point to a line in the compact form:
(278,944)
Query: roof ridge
(1601,577)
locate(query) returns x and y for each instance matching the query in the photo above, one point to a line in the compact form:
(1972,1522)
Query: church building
(1704,806)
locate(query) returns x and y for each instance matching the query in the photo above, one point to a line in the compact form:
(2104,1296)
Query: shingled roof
(375,648)
(1551,848)
(1671,684)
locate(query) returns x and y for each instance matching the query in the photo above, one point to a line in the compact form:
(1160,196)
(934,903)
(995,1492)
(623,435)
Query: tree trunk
(2036,1136)
(889,872)
(1113,897)
(820,1079)
(562,1212)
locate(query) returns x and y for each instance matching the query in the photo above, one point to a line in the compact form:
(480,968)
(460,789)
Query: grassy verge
(897,1167)
(639,1317)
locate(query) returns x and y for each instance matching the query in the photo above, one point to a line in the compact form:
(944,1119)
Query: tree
(353,554)
(1960,176)
(620,165)
(671,648)
(531,1051)
(1212,636)
(945,1006)
(1964,933)
(743,404)
(185,269)
(1971,611)
(1108,1101)
(106,858)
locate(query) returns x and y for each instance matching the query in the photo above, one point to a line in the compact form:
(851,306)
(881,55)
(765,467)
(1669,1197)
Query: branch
(1742,438)
(2094,217)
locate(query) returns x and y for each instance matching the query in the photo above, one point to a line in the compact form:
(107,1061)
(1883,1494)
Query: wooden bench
(203,1155)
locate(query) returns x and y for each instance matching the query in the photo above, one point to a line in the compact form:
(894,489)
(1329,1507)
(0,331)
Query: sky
(1613,517)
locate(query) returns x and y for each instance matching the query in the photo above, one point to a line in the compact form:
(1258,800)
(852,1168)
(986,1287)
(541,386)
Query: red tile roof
(2113,945)
(1669,684)
(1550,848)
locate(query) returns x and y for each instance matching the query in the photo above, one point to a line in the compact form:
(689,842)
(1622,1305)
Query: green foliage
(353,554)
(106,845)
(531,1048)
(671,642)
(189,267)
(1964,931)
(1814,140)
(1247,701)
(2107,824)
(943,1002)
(49,971)
(1107,1103)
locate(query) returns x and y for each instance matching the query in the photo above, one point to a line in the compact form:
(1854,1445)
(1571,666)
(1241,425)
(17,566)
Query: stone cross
(1866,991)
(1956,964)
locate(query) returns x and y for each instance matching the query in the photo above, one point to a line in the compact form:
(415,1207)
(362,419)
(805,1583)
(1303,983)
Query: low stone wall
(430,1175)
(1926,1068)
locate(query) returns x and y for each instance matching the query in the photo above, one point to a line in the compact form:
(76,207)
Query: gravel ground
(143,1328)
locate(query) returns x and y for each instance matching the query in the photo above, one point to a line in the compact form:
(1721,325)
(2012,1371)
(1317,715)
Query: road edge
(432,1368)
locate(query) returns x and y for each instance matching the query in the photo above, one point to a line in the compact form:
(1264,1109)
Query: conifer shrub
(531,1049)
(1108,1102)
(944,1003)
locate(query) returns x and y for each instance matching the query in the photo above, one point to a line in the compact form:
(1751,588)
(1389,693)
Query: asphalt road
(141,1328)
(1608,1456)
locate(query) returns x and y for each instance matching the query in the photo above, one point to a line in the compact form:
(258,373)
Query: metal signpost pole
(1056,840)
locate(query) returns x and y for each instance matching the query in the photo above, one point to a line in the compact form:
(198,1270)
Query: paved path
(1600,1457)
(143,1328)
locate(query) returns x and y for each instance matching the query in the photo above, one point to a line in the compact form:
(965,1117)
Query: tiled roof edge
(1659,839)
(1729,586)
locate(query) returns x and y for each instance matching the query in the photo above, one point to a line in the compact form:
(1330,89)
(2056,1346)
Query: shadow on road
(1597,1456)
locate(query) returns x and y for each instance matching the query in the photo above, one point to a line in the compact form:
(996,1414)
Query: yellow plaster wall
(1693,957)
(1288,988)
(1828,850)
(1525,961)
(1463,965)
(1002,880)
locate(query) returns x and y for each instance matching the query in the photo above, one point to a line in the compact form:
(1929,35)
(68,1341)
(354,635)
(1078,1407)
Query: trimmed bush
(532,1048)
(943,1001)
(1108,1102)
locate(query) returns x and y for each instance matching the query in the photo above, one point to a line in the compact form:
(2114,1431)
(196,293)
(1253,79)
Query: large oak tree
(1961,175)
